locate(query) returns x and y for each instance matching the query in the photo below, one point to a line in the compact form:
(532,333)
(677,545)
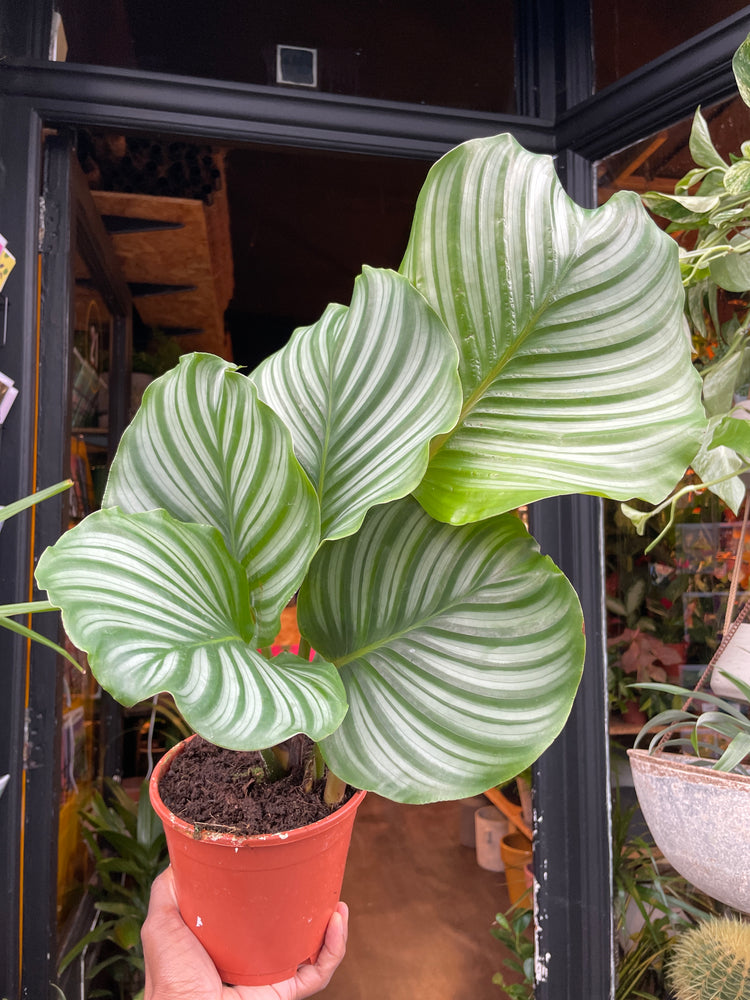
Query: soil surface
(216,789)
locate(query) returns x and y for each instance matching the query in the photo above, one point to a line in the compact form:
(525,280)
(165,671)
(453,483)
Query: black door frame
(572,776)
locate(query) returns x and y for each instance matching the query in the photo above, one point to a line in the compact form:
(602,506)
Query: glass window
(667,607)
(630,33)
(447,55)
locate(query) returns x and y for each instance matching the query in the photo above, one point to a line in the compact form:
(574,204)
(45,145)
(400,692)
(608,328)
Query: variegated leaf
(576,371)
(161,605)
(363,391)
(460,648)
(203,447)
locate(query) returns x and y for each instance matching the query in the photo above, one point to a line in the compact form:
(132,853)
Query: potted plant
(696,802)
(374,467)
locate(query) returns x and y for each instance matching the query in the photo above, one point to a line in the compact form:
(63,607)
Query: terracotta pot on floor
(259,905)
(515,849)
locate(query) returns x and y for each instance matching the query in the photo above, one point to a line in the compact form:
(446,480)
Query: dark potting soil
(216,790)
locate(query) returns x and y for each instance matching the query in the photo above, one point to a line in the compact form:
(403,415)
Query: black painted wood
(42,757)
(244,113)
(20,140)
(656,96)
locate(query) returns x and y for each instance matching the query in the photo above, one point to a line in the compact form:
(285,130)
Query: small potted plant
(374,467)
(693,787)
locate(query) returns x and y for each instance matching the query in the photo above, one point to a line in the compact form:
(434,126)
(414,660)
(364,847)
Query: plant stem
(304,648)
(335,790)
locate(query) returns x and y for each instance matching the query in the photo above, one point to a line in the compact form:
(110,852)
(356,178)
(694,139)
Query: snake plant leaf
(161,605)
(205,448)
(576,371)
(460,648)
(363,392)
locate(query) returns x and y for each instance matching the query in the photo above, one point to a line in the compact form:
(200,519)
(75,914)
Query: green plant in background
(709,212)
(129,849)
(161,355)
(512,929)
(652,906)
(374,465)
(712,961)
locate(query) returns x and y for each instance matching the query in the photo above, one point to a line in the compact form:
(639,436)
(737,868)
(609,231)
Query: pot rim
(236,840)
(666,763)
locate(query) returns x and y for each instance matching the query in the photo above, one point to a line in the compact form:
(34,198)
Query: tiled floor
(421,909)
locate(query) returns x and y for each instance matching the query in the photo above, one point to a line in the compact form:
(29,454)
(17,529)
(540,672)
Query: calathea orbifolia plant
(527,348)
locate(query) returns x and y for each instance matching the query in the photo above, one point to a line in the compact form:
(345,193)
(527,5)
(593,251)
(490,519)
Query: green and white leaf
(732,270)
(576,371)
(161,605)
(460,648)
(702,148)
(737,178)
(204,448)
(721,466)
(723,377)
(682,209)
(734,432)
(363,391)
(741,70)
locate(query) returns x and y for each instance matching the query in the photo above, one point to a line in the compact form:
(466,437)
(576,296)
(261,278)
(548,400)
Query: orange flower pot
(259,905)
(516,852)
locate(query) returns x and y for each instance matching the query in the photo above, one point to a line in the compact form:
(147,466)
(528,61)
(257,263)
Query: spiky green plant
(712,961)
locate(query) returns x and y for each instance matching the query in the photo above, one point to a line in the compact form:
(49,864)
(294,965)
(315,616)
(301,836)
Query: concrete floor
(421,909)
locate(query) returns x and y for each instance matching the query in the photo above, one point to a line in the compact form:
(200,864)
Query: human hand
(178,967)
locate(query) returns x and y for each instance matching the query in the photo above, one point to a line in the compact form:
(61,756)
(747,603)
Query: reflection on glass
(451,55)
(80,746)
(668,608)
(628,34)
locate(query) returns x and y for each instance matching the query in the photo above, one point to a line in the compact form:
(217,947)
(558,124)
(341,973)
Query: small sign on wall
(296,66)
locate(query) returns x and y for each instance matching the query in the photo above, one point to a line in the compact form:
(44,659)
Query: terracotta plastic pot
(516,852)
(490,826)
(259,905)
(699,819)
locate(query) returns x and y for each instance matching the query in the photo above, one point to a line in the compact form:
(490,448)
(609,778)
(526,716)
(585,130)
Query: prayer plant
(526,348)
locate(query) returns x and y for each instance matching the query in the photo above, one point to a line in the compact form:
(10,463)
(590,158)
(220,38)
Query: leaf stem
(671,502)
(335,790)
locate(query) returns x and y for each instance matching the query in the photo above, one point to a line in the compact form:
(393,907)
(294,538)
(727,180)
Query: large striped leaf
(160,605)
(203,447)
(575,366)
(363,391)
(460,648)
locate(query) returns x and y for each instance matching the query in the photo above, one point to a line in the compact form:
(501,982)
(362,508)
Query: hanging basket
(699,819)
